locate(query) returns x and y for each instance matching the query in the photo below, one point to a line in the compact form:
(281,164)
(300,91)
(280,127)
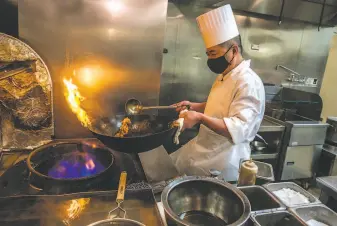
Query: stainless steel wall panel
(126,35)
(294,44)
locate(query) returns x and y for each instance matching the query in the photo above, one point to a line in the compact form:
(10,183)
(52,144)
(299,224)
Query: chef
(234,109)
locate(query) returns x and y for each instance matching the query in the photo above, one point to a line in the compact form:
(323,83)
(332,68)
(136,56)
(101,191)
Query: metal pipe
(287,69)
(321,16)
(281,12)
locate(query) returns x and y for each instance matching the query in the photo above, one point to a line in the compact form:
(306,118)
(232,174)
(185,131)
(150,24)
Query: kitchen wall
(116,47)
(294,44)
(9,17)
(328,91)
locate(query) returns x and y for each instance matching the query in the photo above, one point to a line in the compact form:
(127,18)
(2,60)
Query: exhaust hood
(318,12)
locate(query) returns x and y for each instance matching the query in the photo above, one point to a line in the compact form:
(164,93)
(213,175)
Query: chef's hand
(182,105)
(191,118)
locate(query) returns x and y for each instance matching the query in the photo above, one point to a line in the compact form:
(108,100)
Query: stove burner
(76,164)
(35,177)
(69,166)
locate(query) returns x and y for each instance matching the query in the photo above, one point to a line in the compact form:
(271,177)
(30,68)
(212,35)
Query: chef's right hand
(182,105)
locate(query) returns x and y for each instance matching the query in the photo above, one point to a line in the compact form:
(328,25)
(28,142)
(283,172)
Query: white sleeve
(245,112)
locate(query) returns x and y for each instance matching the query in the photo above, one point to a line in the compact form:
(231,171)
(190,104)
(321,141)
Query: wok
(160,134)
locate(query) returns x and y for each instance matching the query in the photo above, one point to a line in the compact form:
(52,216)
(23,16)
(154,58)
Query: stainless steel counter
(328,185)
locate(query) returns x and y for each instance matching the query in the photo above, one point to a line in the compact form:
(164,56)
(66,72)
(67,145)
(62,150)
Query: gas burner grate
(138,186)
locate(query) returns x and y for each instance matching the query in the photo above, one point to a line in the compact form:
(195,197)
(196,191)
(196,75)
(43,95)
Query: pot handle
(120,194)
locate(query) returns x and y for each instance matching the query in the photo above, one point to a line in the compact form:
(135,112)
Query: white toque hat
(218,26)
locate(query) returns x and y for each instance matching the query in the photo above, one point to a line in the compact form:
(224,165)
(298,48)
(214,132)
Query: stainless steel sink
(319,213)
(261,200)
(281,218)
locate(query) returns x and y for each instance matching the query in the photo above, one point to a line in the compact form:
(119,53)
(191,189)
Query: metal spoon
(134,107)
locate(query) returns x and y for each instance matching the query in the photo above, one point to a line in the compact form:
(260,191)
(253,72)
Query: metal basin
(282,218)
(277,186)
(320,213)
(261,200)
(204,201)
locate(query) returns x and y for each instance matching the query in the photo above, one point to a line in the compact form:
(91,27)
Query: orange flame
(75,208)
(74,99)
(90,165)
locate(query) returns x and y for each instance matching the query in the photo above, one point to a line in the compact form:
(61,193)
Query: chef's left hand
(191,118)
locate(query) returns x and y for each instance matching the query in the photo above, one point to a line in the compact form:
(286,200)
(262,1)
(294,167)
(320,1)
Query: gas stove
(15,179)
(21,203)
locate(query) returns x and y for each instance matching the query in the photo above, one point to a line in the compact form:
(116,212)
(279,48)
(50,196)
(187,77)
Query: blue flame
(76,165)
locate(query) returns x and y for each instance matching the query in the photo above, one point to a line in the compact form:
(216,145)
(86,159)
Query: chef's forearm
(217,125)
(199,107)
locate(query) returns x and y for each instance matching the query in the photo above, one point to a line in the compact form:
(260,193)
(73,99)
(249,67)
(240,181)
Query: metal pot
(332,130)
(117,221)
(204,201)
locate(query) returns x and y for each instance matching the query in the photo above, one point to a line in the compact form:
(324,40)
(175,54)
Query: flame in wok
(74,99)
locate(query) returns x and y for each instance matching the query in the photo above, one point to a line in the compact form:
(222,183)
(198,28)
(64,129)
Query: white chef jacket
(240,101)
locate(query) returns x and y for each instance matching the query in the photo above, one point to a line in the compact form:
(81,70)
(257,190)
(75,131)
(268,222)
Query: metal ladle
(134,107)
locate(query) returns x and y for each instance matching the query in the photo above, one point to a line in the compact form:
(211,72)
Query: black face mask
(220,64)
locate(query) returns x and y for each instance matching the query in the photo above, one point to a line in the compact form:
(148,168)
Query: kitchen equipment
(119,200)
(16,178)
(247,175)
(280,218)
(327,164)
(162,132)
(67,165)
(272,187)
(302,146)
(319,213)
(261,200)
(328,186)
(272,132)
(258,146)
(134,107)
(331,135)
(206,201)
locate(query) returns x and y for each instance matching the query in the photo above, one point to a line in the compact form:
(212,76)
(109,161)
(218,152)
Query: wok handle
(159,107)
(164,107)
(121,187)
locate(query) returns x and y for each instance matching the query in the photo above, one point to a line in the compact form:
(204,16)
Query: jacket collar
(243,65)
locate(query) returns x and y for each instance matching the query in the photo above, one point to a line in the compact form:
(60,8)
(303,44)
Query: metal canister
(248,171)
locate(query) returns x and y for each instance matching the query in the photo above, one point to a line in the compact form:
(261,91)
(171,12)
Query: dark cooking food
(137,128)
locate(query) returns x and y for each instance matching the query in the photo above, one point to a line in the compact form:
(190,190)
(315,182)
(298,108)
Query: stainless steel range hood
(321,12)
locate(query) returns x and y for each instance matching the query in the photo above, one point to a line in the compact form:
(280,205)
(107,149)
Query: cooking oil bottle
(248,171)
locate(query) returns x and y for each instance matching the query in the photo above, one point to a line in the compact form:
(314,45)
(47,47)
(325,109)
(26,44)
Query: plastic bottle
(248,171)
